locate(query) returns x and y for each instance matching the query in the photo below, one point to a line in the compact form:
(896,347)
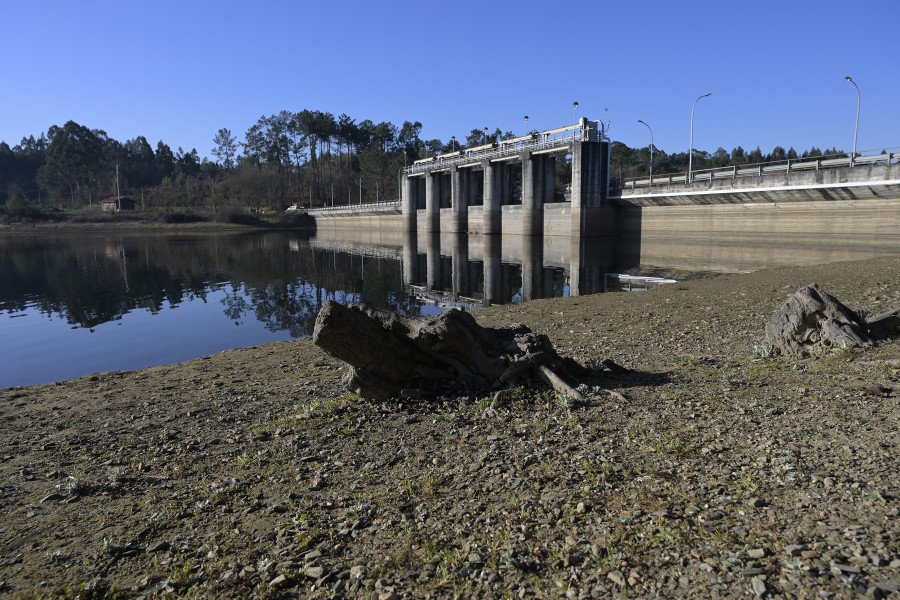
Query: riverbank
(163,220)
(706,471)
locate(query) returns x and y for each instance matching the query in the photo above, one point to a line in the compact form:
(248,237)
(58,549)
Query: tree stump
(392,354)
(812,321)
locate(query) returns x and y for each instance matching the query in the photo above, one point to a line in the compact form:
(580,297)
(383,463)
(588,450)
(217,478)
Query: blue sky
(179,71)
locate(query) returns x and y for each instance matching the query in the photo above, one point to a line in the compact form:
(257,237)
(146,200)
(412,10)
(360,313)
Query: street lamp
(452,143)
(485,135)
(651,151)
(575,108)
(691,149)
(526,124)
(855,133)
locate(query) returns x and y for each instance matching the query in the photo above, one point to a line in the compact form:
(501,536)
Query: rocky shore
(709,470)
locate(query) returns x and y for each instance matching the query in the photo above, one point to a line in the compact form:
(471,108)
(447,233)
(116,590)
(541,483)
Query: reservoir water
(80,303)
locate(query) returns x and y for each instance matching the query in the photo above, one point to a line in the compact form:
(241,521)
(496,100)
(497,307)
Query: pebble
(760,587)
(756,553)
(617,578)
(281,582)
(314,572)
(160,546)
(357,571)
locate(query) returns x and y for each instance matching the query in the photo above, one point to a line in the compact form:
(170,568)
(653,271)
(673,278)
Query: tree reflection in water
(93,279)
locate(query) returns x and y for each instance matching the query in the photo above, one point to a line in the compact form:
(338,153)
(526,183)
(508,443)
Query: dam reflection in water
(78,303)
(475,271)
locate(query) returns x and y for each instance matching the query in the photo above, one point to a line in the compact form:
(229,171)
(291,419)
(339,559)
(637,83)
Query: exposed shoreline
(249,473)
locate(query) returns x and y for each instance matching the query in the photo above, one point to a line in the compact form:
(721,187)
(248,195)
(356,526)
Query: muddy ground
(708,471)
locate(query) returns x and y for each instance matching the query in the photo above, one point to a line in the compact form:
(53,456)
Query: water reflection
(477,271)
(79,303)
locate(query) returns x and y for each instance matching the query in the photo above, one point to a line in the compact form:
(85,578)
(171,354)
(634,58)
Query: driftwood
(812,321)
(393,355)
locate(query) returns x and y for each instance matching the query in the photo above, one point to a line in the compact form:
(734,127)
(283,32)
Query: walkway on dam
(885,156)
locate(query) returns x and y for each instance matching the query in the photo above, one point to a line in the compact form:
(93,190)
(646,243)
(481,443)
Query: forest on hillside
(310,158)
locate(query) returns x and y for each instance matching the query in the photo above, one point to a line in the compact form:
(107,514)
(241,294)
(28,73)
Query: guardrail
(356,208)
(760,169)
(587,131)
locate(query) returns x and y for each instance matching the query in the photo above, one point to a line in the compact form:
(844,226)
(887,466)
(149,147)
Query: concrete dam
(507,188)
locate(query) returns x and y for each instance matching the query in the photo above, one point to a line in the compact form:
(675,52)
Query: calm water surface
(75,304)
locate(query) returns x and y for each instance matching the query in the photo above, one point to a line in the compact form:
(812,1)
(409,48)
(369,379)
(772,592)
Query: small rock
(839,569)
(760,587)
(877,390)
(314,572)
(617,578)
(160,546)
(582,508)
(794,549)
(281,582)
(756,552)
(357,571)
(311,556)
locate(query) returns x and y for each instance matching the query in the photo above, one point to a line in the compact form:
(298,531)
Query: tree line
(307,158)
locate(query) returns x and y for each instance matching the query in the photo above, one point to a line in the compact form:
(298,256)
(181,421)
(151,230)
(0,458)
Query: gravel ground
(707,471)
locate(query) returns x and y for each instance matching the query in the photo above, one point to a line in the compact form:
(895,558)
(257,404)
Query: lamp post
(485,135)
(856,132)
(691,148)
(452,143)
(526,124)
(575,108)
(651,151)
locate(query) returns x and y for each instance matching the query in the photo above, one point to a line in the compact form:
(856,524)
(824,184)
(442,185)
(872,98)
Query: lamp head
(847,77)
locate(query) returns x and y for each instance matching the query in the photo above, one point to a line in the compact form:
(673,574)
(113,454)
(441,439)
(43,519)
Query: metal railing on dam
(866,158)
(368,207)
(545,141)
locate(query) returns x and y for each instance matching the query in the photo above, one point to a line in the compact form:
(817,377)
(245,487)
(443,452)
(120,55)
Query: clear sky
(178,71)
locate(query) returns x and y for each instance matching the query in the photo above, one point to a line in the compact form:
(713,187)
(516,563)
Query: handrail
(830,161)
(356,208)
(585,131)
